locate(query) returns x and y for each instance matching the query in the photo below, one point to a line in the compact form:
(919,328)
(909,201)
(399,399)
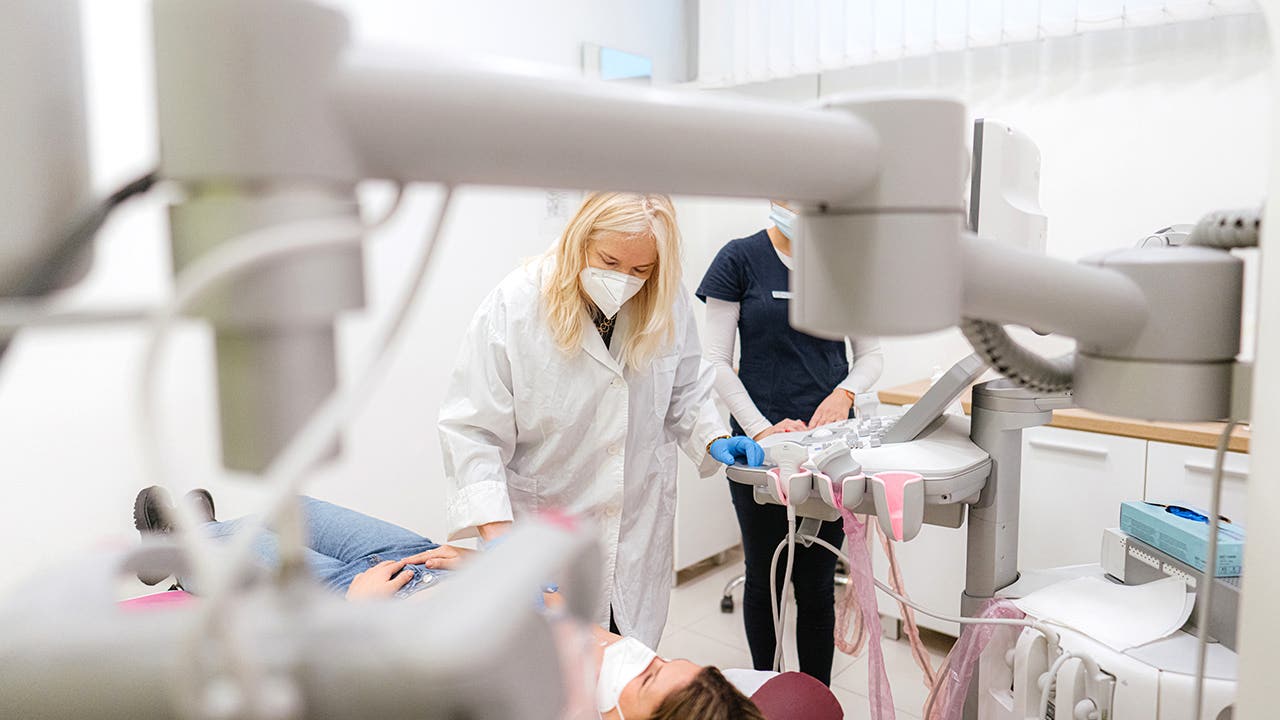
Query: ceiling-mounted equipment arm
(267,115)
(272,91)
(496,123)
(1093,305)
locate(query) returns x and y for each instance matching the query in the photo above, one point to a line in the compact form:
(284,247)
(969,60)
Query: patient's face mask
(622,662)
(609,289)
(784,219)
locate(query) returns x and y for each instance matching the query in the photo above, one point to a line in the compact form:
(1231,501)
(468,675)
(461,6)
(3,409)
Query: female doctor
(579,376)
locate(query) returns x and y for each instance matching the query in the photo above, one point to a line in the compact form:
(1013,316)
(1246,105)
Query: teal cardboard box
(1184,534)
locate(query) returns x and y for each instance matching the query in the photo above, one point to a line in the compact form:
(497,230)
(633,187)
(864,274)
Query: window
(742,41)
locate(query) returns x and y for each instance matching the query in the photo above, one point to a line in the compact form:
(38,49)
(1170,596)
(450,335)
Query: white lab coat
(525,427)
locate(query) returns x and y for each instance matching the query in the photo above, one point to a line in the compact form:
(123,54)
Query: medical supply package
(1184,534)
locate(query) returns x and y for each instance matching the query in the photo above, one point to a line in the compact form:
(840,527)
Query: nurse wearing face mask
(786,380)
(577,380)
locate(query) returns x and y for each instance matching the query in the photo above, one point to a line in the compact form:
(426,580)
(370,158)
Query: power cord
(286,473)
(1050,679)
(45,273)
(43,277)
(1042,627)
(1039,626)
(779,616)
(1204,590)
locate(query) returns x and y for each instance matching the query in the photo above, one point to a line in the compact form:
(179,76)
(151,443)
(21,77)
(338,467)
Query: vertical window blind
(742,41)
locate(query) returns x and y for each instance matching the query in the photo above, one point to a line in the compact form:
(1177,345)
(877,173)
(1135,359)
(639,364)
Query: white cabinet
(1183,475)
(705,522)
(1072,485)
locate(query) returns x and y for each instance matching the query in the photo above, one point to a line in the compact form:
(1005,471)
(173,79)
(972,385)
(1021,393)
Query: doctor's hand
(785,426)
(380,581)
(445,557)
(728,450)
(835,408)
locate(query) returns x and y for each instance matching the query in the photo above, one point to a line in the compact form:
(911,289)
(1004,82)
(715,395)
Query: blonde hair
(638,216)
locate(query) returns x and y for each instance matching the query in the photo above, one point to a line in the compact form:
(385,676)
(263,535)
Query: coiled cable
(993,343)
(1227,229)
(1224,229)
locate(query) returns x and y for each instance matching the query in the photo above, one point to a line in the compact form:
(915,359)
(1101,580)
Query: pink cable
(946,698)
(849,641)
(918,650)
(851,632)
(862,581)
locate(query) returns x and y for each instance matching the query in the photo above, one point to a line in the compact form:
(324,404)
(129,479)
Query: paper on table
(1118,616)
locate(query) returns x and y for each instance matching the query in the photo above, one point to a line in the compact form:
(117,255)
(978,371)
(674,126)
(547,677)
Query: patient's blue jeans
(342,543)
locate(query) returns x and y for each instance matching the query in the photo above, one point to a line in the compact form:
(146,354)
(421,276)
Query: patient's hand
(380,581)
(785,426)
(445,557)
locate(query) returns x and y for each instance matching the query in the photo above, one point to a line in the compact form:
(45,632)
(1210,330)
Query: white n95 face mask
(784,219)
(623,661)
(609,289)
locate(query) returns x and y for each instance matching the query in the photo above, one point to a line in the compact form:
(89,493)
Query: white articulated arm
(267,115)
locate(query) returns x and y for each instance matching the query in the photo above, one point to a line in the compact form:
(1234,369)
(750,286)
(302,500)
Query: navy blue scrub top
(786,372)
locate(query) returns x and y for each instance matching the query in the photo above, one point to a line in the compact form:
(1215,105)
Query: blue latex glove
(728,450)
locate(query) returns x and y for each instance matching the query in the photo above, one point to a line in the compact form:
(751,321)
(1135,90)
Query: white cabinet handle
(1068,448)
(1208,470)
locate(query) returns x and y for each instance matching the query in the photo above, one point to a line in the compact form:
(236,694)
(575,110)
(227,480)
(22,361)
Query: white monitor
(1004,195)
(935,402)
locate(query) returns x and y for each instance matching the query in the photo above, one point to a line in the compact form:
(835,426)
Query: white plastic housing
(320,112)
(870,274)
(43,137)
(1179,365)
(1096,306)
(1193,303)
(502,123)
(888,261)
(273,326)
(243,88)
(923,156)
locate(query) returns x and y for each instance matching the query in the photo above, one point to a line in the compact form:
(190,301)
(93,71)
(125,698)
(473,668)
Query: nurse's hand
(728,450)
(835,408)
(785,426)
(445,557)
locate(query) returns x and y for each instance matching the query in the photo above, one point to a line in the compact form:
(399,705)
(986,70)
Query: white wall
(547,31)
(68,439)
(1137,130)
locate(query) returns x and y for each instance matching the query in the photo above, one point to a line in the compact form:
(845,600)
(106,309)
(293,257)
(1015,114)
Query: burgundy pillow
(796,696)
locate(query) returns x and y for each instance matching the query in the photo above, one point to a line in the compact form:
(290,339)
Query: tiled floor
(698,630)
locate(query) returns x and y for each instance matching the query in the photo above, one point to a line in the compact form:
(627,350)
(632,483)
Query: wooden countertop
(1204,434)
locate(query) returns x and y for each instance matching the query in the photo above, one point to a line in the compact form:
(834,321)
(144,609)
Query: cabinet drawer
(1183,475)
(1072,485)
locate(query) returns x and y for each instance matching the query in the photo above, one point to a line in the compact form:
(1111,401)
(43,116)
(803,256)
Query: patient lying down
(363,557)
